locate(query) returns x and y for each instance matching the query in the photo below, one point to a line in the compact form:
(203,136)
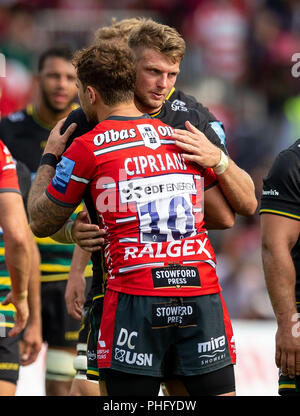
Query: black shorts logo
(173,314)
(175,276)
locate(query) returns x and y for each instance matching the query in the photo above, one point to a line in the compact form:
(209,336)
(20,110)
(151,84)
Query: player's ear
(91,94)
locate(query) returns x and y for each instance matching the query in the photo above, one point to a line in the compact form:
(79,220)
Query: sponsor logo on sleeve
(63,174)
(218,129)
(18,116)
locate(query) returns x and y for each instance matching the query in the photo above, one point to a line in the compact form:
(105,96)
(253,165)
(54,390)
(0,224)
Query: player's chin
(156,103)
(60,107)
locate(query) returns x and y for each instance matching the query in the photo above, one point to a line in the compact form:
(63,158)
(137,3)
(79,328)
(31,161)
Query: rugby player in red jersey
(15,271)
(176,112)
(162,283)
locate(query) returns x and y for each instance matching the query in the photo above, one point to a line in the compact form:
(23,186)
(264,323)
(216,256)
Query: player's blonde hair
(153,35)
(119,30)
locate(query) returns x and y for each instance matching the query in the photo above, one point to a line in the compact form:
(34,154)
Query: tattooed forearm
(46,217)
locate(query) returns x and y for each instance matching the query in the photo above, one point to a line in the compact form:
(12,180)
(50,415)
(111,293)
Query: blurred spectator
(15,87)
(271,48)
(18,40)
(219,30)
(272,45)
(79,4)
(290,130)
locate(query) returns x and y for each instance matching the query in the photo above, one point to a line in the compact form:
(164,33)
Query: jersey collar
(31,112)
(120,118)
(170,93)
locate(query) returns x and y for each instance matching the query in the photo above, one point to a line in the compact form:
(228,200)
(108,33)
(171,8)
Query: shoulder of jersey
(187,103)
(181,99)
(288,159)
(177,117)
(78,113)
(176,103)
(287,154)
(89,130)
(5,154)
(3,149)
(176,106)
(78,116)
(295,147)
(16,117)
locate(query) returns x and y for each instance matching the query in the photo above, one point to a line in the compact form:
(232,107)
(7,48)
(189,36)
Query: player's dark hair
(110,69)
(55,52)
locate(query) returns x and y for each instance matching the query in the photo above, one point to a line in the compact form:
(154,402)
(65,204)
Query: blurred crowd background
(240,63)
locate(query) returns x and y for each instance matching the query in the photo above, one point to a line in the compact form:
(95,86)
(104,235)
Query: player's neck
(120,109)
(48,117)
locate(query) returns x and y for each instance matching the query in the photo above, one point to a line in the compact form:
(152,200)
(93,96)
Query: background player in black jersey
(280,222)
(25,134)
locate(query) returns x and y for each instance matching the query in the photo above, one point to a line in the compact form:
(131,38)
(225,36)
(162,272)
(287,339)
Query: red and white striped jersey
(150,201)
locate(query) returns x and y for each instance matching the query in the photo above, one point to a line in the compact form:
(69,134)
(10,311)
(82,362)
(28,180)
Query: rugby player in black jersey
(155,83)
(280,222)
(25,133)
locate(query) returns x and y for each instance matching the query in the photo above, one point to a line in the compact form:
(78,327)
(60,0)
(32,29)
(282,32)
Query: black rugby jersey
(24,179)
(26,137)
(182,101)
(281,195)
(176,118)
(172,113)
